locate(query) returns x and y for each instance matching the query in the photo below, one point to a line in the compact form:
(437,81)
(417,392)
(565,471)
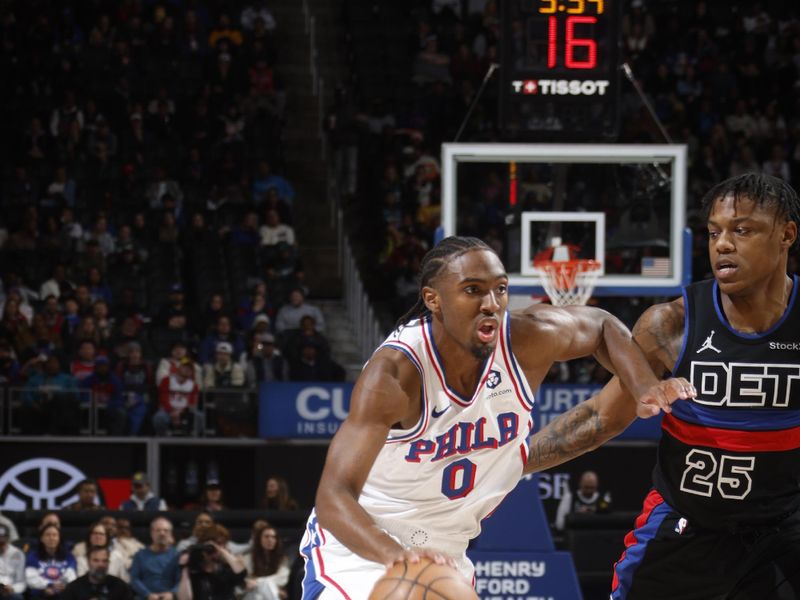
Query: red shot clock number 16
(560,68)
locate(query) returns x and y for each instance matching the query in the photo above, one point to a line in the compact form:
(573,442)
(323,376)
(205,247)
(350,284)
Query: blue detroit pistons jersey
(432,484)
(730,458)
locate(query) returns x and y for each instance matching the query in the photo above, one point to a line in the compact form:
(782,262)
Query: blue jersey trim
(438,359)
(753,336)
(685,342)
(514,366)
(760,419)
(423,418)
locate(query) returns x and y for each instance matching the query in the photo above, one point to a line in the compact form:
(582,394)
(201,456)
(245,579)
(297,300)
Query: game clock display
(560,69)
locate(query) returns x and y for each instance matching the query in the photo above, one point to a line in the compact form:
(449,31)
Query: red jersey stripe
(732,439)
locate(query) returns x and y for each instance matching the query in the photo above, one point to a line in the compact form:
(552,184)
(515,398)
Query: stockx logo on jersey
(493,380)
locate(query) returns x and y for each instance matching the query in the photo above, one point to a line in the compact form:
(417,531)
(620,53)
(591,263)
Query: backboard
(623,205)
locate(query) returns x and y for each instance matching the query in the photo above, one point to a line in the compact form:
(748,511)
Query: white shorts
(334,572)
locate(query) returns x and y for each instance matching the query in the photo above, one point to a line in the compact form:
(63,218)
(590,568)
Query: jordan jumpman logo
(707,345)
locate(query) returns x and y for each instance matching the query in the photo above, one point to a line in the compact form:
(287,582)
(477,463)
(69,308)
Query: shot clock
(559,71)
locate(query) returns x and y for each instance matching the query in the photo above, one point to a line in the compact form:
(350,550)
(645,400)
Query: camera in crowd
(199,553)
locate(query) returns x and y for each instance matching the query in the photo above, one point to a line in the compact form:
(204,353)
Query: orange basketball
(424,580)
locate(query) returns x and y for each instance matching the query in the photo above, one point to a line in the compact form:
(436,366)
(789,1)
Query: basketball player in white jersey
(440,417)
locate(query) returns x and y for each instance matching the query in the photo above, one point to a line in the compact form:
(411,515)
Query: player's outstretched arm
(379,400)
(641,362)
(595,421)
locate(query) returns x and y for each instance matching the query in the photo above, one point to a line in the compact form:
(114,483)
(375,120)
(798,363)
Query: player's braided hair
(437,257)
(762,189)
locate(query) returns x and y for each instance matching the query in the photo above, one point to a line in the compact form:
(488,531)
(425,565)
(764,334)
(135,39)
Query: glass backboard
(623,205)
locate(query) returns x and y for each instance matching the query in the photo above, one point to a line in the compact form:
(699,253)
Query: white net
(568,282)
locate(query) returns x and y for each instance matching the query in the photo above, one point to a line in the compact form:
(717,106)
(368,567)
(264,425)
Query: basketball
(423,580)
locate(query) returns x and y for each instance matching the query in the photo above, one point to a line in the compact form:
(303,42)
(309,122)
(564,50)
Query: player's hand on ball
(662,395)
(422,579)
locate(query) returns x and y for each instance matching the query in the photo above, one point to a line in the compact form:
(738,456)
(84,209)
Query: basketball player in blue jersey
(440,417)
(722,520)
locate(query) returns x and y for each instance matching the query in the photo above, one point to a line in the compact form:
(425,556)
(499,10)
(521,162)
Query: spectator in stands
(107,392)
(223,332)
(136,375)
(58,284)
(124,541)
(9,365)
(51,403)
(155,573)
(13,534)
(14,326)
(125,266)
(223,372)
(210,571)
(87,497)
(587,498)
(289,315)
(255,312)
(202,522)
(168,232)
(265,179)
(84,364)
(98,288)
(52,314)
(175,307)
(72,319)
(50,518)
(295,339)
(274,231)
(48,565)
(98,536)
(89,257)
(266,362)
(71,229)
(430,64)
(12,567)
(246,232)
(225,31)
(160,186)
(99,580)
(129,334)
(101,233)
(177,397)
(212,497)
(142,497)
(170,365)
(267,566)
(254,11)
(311,366)
(211,314)
(277,495)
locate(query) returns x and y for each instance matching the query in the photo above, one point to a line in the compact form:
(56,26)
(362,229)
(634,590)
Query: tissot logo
(560,87)
(784,346)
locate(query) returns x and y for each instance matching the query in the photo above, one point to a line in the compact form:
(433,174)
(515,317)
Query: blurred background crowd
(147,248)
(149,251)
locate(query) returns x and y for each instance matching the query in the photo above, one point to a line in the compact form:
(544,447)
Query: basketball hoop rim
(568,281)
(588,264)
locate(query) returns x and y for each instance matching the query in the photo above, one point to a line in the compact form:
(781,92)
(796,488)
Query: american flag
(656,267)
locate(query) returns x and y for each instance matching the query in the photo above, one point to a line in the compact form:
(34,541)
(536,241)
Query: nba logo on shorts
(682,523)
(493,380)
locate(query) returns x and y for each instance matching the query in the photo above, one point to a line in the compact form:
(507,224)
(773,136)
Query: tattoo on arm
(576,431)
(658,332)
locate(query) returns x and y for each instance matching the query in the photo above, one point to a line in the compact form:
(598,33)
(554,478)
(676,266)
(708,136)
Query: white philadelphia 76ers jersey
(431,485)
